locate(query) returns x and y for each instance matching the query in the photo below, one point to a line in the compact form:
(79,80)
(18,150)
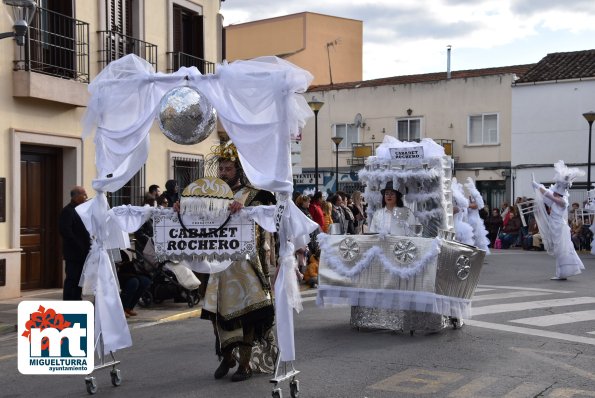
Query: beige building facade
(329,47)
(469,114)
(43,88)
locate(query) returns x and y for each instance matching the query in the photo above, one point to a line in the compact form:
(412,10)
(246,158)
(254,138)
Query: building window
(349,132)
(123,28)
(483,129)
(188,41)
(57,44)
(186,168)
(133,193)
(409,129)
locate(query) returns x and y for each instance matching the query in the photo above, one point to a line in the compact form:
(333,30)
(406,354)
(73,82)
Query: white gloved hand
(534,183)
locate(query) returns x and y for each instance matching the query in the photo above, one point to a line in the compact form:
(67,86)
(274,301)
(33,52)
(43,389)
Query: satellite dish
(358,120)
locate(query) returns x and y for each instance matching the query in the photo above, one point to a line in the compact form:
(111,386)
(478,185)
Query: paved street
(529,336)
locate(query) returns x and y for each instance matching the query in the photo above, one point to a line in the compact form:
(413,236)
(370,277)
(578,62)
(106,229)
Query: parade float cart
(418,278)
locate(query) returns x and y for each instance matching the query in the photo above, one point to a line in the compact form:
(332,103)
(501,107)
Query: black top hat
(389,186)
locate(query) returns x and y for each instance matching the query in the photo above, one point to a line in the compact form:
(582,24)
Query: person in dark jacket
(171,192)
(76,244)
(494,225)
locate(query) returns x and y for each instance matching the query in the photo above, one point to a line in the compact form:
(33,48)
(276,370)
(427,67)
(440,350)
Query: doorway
(41,187)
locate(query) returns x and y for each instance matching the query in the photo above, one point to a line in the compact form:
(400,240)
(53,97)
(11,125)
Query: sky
(411,37)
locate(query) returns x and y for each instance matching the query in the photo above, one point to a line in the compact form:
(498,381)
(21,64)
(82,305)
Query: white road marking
(533,289)
(531,332)
(558,319)
(479,289)
(508,295)
(529,305)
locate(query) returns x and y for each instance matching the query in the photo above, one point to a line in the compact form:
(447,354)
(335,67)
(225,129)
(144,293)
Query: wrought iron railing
(56,45)
(115,45)
(175,60)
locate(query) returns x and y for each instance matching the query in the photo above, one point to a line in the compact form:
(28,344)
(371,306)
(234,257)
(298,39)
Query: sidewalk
(164,312)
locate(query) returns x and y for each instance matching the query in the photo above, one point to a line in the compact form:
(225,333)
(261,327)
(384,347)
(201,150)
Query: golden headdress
(227,151)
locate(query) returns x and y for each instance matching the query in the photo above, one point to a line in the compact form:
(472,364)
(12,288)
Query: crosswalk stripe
(533,289)
(479,290)
(528,305)
(531,332)
(509,295)
(557,319)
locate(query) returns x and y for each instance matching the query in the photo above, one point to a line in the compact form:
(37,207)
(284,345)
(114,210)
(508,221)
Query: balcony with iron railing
(175,60)
(115,45)
(54,60)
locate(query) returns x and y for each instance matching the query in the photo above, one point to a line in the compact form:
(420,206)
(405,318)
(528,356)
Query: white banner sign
(202,238)
(415,153)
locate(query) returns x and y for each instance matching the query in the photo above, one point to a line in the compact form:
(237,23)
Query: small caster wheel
(116,378)
(277,393)
(146,300)
(91,385)
(294,388)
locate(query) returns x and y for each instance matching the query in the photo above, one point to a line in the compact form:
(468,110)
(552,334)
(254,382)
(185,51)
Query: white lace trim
(329,296)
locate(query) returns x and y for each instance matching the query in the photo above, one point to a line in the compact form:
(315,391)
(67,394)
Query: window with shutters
(56,40)
(188,47)
(186,168)
(123,32)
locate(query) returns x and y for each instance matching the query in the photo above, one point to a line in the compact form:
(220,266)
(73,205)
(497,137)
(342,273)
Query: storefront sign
(306,178)
(202,238)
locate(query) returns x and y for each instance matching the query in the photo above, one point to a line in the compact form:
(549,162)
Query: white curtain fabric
(257,101)
(330,296)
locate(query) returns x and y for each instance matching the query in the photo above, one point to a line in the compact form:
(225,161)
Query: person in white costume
(591,207)
(393,217)
(554,225)
(463,230)
(480,234)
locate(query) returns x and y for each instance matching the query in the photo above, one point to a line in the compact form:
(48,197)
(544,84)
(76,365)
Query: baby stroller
(170,280)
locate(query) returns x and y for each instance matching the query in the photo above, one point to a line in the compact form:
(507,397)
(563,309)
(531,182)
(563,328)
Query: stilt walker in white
(463,230)
(591,207)
(554,227)
(480,234)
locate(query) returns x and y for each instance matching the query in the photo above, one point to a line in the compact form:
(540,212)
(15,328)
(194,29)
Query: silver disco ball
(186,116)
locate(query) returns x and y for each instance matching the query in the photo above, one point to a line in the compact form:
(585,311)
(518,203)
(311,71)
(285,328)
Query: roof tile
(425,78)
(562,66)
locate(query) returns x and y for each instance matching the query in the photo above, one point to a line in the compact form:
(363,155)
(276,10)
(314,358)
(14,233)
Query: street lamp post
(590,116)
(337,141)
(22,14)
(315,105)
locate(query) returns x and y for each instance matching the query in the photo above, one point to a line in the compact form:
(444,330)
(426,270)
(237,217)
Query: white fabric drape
(257,101)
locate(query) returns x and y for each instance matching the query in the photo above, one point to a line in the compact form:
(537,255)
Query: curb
(181,316)
(6,328)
